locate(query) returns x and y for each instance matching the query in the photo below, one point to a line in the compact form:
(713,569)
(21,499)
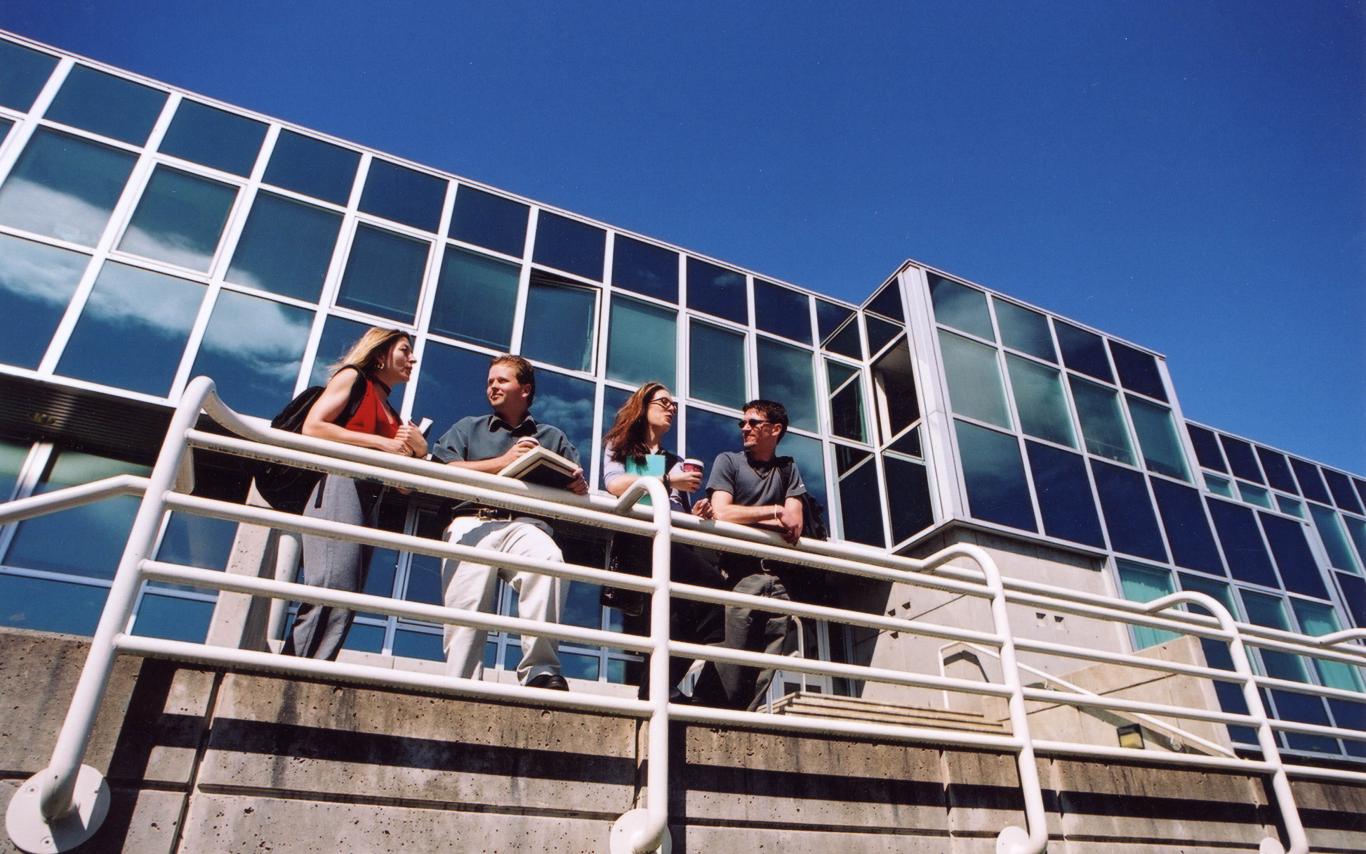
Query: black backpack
(283,486)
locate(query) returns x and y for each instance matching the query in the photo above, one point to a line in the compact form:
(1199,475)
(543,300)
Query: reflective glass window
(1064,495)
(567,403)
(1244,551)
(1354,596)
(179,219)
(1341,488)
(1102,425)
(173,618)
(22,74)
(1291,706)
(1128,511)
(12,456)
(810,459)
(1137,370)
(716,364)
(339,333)
(36,284)
(1219,485)
(1083,351)
(888,303)
(880,332)
(974,379)
(846,402)
(908,497)
(908,443)
(451,386)
(132,330)
(1311,485)
(1162,451)
(490,221)
(717,291)
(1277,469)
(5,125)
(403,195)
(1254,495)
(1221,593)
(994,476)
(710,433)
(1290,506)
(1356,529)
(642,343)
(1360,488)
(1144,584)
(252,348)
(894,390)
(559,324)
(1334,540)
(1024,330)
(1206,448)
(1040,401)
(1241,459)
(108,105)
(198,541)
(569,245)
(830,318)
(1290,548)
(469,279)
(312,167)
(645,268)
(1315,620)
(85,540)
(51,606)
(64,187)
(1188,531)
(785,376)
(1349,715)
(1265,610)
(285,247)
(782,311)
(383,273)
(214,137)
(961,307)
(860,501)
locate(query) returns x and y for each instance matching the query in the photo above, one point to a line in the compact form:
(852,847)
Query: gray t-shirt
(752,485)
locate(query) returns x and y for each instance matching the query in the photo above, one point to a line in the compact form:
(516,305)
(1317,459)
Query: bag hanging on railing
(283,486)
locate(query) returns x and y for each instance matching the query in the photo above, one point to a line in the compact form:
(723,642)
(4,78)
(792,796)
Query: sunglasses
(751,423)
(665,403)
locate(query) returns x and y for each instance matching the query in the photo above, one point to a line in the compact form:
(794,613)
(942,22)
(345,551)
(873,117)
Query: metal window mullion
(524,282)
(940,442)
(24,128)
(427,300)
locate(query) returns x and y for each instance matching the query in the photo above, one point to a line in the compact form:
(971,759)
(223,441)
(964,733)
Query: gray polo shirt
(483,437)
(752,485)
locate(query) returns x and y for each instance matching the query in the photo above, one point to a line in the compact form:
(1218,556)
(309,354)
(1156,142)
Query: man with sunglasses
(756,487)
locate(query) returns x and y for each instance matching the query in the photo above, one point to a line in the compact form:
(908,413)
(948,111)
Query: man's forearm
(743,515)
(493,465)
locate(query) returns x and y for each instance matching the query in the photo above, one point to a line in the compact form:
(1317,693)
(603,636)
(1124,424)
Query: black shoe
(551,681)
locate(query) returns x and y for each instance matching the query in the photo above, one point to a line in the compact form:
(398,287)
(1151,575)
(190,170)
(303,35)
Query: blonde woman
(381,359)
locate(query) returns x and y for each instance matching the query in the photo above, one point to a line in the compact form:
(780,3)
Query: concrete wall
(207,760)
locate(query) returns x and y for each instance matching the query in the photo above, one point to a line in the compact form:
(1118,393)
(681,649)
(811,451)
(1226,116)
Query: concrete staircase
(809,704)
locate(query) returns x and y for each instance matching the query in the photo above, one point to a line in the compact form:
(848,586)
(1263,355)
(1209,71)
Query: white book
(541,466)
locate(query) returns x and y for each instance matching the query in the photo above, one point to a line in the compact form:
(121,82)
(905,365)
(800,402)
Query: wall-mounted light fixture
(1131,736)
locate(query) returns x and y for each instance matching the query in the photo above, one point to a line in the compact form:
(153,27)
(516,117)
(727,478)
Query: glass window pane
(569,245)
(1188,531)
(1316,620)
(214,137)
(64,187)
(1162,451)
(961,307)
(880,332)
(888,303)
(1341,487)
(1083,351)
(451,386)
(1254,495)
(1290,548)
(1353,596)
(830,318)
(810,459)
(285,247)
(860,501)
(567,403)
(974,379)
(470,279)
(490,221)
(253,348)
(46,542)
(1219,485)
(908,497)
(1241,459)
(559,324)
(1311,485)
(717,291)
(1102,425)
(50,606)
(384,273)
(1128,511)
(1290,506)
(994,476)
(22,74)
(173,618)
(710,433)
(1206,448)
(1064,495)
(1137,370)
(1334,540)
(1244,551)
(645,268)
(312,167)
(847,418)
(1040,401)
(197,541)
(1024,330)
(1356,529)
(782,311)
(898,406)
(642,343)
(108,105)
(1302,708)
(179,219)
(420,645)
(12,456)
(338,336)
(1144,584)
(1269,611)
(716,364)
(36,284)
(1349,715)
(132,330)
(785,376)
(1277,469)
(403,195)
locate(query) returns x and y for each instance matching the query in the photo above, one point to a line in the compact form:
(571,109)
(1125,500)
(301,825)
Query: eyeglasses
(665,403)
(751,423)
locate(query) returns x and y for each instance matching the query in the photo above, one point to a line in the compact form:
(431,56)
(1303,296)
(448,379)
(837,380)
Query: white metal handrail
(63,802)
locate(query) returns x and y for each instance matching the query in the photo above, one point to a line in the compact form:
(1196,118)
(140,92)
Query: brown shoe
(550,681)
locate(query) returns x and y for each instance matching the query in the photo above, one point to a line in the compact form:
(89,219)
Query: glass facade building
(148,236)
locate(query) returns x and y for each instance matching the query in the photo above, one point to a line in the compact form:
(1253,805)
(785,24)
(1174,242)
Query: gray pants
(336,565)
(756,631)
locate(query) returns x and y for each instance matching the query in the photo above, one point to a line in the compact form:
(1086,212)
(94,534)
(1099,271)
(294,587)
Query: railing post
(63,805)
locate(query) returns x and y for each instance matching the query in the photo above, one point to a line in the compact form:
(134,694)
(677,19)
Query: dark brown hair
(526,374)
(631,432)
(771,410)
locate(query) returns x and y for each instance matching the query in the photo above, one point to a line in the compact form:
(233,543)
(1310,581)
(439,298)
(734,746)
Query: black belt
(486,514)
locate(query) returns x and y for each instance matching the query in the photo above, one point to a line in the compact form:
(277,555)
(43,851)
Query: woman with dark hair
(633,449)
(381,359)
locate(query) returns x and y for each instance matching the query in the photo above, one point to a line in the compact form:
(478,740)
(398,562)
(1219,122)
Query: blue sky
(1188,175)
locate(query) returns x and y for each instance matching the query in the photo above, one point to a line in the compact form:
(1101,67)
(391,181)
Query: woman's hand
(391,446)
(685,481)
(415,443)
(702,509)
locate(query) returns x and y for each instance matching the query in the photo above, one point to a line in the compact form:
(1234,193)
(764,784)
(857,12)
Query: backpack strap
(358,389)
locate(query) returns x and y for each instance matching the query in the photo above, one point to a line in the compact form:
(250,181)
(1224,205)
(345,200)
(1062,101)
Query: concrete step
(808,704)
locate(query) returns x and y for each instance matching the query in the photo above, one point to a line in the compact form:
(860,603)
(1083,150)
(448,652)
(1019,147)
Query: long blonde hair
(368,353)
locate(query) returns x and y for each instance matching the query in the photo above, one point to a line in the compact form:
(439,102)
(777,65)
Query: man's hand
(790,519)
(702,509)
(578,486)
(521,446)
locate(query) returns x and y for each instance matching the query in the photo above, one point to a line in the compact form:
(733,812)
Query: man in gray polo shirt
(759,488)
(488,443)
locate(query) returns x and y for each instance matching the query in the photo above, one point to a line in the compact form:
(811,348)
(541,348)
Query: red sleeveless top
(374,414)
